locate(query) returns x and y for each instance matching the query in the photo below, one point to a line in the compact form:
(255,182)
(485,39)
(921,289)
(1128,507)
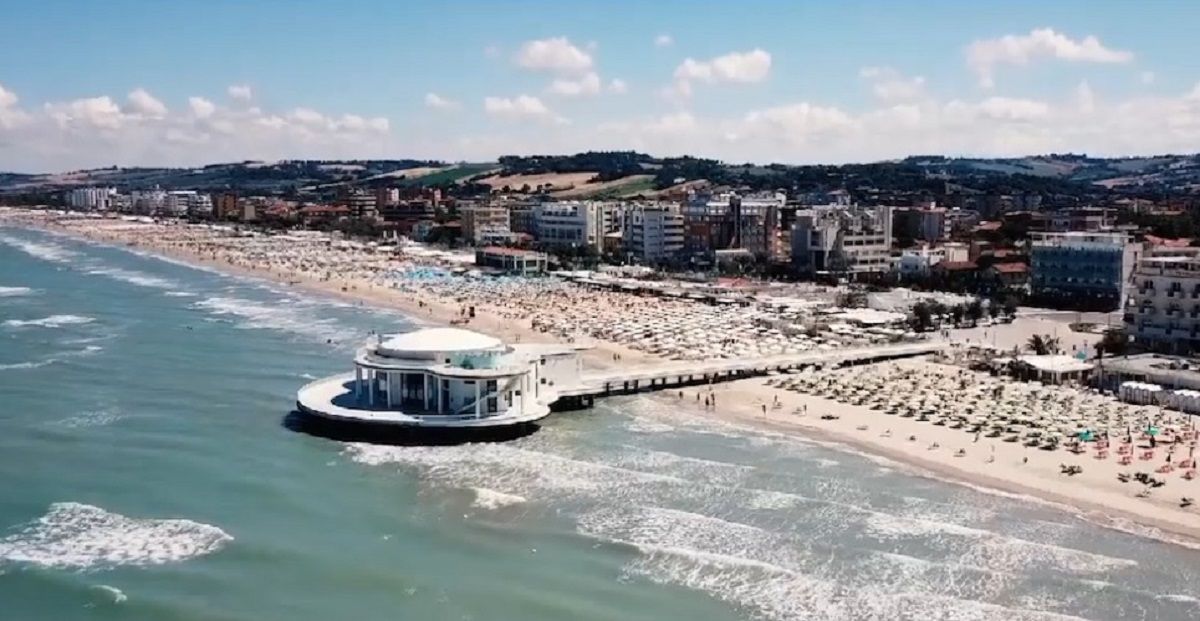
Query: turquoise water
(146,473)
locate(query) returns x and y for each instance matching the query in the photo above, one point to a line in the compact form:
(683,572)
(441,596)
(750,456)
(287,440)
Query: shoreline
(1100,505)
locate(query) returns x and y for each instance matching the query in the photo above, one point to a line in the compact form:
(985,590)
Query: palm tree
(1043,344)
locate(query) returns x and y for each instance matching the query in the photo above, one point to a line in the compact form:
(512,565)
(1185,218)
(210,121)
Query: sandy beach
(1102,491)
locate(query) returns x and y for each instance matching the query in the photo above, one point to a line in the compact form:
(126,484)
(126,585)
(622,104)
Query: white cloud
(663,40)
(144,104)
(556,54)
(93,112)
(1013,109)
(889,85)
(437,102)
(521,107)
(7,97)
(734,67)
(10,115)
(240,92)
(97,131)
(984,55)
(585,86)
(1147,77)
(201,108)
(1085,98)
(618,86)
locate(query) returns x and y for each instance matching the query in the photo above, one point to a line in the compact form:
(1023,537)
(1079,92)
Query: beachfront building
(1163,311)
(842,240)
(445,378)
(91,199)
(1081,269)
(483,219)
(511,260)
(653,233)
(576,224)
(729,221)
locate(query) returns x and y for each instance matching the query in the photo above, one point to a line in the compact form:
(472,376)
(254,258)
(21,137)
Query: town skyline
(799,84)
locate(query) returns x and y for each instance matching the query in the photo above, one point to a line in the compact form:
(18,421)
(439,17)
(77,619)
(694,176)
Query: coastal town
(1057,361)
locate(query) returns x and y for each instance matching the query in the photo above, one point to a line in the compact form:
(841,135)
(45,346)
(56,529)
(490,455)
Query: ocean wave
(180,294)
(13,292)
(778,578)
(53,321)
(118,596)
(78,536)
(95,418)
(273,316)
(491,499)
(40,250)
(133,277)
(28,365)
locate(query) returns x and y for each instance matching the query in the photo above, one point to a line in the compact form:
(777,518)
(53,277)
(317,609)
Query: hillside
(621,174)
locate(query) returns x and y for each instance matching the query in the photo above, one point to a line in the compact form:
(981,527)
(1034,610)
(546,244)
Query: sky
(181,83)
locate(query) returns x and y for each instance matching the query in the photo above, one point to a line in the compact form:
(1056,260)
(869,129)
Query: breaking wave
(133,277)
(78,536)
(40,250)
(12,292)
(53,321)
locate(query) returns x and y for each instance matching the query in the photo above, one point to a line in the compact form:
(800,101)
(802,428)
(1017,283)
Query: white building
(1163,311)
(179,203)
(653,232)
(91,199)
(842,239)
(445,378)
(148,202)
(576,224)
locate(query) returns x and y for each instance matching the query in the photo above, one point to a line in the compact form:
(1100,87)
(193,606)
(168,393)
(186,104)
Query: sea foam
(78,536)
(53,321)
(13,292)
(132,277)
(44,251)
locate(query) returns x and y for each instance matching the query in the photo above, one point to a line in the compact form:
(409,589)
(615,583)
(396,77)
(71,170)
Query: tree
(1010,307)
(956,314)
(922,317)
(974,311)
(1043,344)
(1114,343)
(993,309)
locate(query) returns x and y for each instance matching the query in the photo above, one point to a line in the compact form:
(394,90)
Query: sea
(148,470)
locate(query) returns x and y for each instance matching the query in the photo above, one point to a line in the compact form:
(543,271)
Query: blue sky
(768,81)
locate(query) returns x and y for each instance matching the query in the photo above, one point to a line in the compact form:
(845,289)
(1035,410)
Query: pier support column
(478,397)
(358,383)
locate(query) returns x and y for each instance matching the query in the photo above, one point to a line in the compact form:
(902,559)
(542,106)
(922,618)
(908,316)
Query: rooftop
(421,343)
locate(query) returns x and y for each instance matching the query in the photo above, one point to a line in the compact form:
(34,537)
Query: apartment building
(483,219)
(653,233)
(1163,311)
(838,239)
(91,199)
(576,224)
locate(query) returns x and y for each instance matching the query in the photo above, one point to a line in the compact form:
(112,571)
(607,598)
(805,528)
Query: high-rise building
(1163,312)
(481,219)
(361,203)
(225,206)
(1081,269)
(576,224)
(653,233)
(839,239)
(91,199)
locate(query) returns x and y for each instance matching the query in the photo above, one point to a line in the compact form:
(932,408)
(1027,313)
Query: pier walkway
(691,373)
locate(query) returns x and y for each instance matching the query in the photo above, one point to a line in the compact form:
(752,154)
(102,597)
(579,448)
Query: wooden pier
(679,374)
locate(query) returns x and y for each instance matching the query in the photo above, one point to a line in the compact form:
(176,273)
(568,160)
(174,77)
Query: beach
(1095,493)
